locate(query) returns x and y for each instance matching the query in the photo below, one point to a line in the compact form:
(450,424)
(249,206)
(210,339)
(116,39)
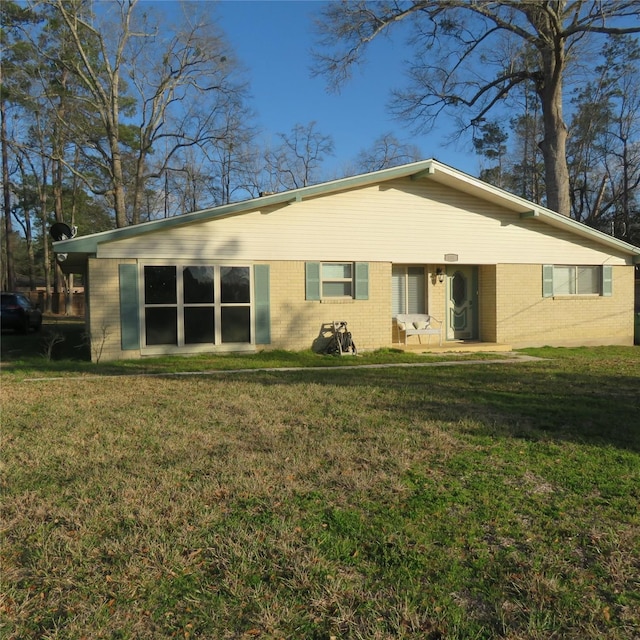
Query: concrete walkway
(512,358)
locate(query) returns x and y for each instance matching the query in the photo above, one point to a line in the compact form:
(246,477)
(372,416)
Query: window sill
(336,300)
(194,349)
(576,296)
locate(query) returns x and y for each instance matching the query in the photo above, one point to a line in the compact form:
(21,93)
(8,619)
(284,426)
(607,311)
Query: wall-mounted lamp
(440,274)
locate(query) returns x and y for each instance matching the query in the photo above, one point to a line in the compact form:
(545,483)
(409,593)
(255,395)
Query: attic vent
(451,257)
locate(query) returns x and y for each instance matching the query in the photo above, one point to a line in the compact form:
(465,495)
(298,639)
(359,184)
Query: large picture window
(197,305)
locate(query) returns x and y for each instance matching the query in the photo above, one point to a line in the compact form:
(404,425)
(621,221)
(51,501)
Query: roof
(80,247)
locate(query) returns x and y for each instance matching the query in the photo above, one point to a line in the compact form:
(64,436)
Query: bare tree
(604,149)
(294,163)
(460,57)
(195,75)
(386,151)
(142,90)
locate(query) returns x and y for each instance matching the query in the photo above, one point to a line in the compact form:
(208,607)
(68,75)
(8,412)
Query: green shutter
(547,280)
(362,281)
(607,280)
(262,300)
(129,307)
(312,275)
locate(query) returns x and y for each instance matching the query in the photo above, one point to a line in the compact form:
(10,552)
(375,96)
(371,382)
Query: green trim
(129,307)
(312,280)
(607,280)
(547,280)
(362,281)
(262,300)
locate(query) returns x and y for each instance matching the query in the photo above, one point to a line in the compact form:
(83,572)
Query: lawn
(480,501)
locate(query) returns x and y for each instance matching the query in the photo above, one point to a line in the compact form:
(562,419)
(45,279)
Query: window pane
(336,271)
(198,325)
(198,284)
(416,290)
(161,325)
(160,285)
(236,324)
(564,280)
(336,289)
(588,280)
(234,284)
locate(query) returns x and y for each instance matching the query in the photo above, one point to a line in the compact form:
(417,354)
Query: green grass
(60,349)
(484,501)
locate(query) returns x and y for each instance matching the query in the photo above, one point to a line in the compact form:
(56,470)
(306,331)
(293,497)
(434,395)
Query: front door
(462,302)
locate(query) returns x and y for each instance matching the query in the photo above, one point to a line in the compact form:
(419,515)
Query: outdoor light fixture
(440,274)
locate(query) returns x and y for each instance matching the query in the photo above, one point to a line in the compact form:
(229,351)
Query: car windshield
(9,299)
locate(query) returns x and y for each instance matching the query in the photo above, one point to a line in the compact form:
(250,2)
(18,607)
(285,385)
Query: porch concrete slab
(455,346)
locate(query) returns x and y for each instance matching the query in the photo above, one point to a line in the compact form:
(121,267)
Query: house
(272,272)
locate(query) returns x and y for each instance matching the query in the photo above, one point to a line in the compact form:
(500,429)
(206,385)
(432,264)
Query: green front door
(462,302)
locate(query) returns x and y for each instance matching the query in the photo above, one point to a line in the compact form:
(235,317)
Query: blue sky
(273,39)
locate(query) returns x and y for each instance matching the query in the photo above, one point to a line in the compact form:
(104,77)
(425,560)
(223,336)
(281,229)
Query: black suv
(19,314)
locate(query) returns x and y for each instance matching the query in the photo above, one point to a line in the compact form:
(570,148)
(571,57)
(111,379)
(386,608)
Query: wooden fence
(58,302)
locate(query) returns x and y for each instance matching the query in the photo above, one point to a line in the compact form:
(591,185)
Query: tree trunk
(6,193)
(28,233)
(119,201)
(139,187)
(554,144)
(45,240)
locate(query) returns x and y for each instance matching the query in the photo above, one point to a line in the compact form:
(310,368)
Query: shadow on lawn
(510,399)
(58,339)
(563,399)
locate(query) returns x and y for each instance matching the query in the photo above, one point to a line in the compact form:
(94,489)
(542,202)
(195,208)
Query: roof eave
(426,169)
(525,208)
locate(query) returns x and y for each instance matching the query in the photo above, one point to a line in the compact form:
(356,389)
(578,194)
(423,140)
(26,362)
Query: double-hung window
(337,280)
(576,280)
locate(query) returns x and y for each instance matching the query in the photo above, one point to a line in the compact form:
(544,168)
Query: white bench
(418,324)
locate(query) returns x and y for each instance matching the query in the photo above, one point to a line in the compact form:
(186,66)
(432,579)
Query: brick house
(272,272)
